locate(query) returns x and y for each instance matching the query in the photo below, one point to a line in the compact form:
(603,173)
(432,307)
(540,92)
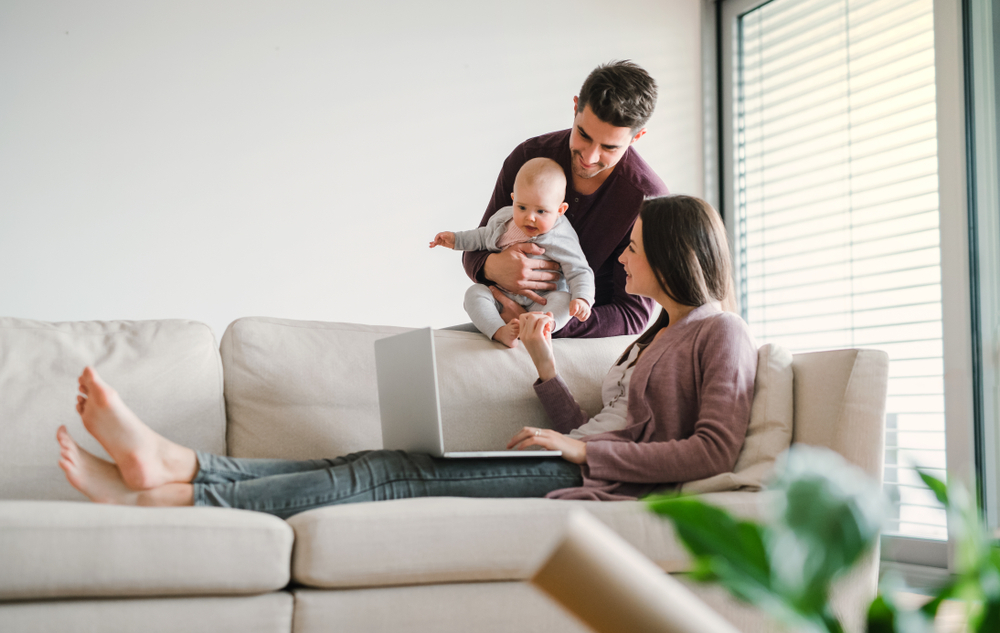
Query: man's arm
(621,313)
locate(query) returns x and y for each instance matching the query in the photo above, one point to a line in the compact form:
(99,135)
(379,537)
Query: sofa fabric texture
(73,550)
(267,613)
(299,389)
(307,390)
(484,607)
(469,540)
(770,431)
(169,373)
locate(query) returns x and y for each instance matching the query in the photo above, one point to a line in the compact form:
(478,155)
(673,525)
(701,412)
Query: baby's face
(536,209)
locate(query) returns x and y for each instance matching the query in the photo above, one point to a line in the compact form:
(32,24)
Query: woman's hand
(572,450)
(536,334)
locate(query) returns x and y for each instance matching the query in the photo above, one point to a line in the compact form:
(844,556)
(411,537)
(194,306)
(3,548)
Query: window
(835,185)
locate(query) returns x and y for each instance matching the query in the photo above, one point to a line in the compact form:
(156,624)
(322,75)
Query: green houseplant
(827,516)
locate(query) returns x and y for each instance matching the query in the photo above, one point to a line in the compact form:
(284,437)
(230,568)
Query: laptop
(409,402)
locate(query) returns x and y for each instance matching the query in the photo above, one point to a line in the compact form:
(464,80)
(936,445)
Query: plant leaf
(990,622)
(825,530)
(881,616)
(937,486)
(712,535)
(885,615)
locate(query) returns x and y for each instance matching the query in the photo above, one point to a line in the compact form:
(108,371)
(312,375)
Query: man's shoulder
(547,145)
(637,174)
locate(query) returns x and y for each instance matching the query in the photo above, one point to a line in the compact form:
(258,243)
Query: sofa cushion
(840,404)
(770,430)
(267,613)
(446,539)
(478,607)
(168,372)
(301,389)
(59,549)
(305,389)
(486,389)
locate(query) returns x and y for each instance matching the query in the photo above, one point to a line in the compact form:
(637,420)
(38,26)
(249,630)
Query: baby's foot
(144,458)
(99,480)
(508,334)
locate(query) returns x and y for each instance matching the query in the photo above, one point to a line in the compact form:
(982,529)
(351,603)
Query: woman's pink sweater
(688,410)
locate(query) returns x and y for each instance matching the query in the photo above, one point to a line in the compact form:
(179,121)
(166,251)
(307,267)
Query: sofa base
(486,607)
(267,613)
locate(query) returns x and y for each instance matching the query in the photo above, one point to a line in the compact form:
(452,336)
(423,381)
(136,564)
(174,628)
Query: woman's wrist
(547,371)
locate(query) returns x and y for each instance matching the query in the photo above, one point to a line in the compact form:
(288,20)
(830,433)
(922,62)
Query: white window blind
(837,207)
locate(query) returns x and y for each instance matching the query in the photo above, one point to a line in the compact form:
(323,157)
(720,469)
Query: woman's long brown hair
(686,246)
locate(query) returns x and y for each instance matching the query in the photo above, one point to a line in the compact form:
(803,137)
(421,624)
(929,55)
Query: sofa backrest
(301,390)
(168,372)
(305,389)
(839,399)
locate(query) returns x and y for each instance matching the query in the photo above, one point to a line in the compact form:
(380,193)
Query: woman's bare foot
(508,334)
(144,458)
(99,480)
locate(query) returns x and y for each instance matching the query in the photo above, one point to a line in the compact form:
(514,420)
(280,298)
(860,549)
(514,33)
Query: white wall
(212,160)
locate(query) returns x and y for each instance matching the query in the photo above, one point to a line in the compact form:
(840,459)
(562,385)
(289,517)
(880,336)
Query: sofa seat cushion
(53,549)
(447,539)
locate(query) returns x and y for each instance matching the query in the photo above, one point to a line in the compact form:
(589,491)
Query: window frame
(981,21)
(954,230)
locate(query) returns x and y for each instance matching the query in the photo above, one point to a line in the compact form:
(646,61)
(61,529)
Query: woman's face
(641,279)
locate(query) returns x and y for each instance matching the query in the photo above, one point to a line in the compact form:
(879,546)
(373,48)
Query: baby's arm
(478,239)
(444,238)
(580,309)
(579,276)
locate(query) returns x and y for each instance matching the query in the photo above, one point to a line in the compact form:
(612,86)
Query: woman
(677,405)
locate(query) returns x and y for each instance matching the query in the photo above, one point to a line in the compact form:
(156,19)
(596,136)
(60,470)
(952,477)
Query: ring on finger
(538,432)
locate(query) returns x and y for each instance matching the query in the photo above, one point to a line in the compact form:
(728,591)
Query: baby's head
(539,191)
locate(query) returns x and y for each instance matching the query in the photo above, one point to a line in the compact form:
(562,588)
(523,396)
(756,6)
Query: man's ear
(562,208)
(638,135)
(576,103)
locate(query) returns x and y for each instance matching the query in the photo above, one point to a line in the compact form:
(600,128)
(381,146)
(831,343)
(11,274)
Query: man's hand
(444,238)
(580,309)
(511,310)
(513,270)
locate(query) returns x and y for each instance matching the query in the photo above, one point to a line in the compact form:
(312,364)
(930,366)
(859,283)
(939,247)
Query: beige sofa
(295,389)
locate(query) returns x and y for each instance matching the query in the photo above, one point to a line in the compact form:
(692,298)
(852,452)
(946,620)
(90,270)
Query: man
(606,182)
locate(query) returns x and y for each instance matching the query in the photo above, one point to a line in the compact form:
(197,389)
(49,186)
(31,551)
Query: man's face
(597,146)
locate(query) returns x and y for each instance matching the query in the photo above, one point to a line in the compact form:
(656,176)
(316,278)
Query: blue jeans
(285,487)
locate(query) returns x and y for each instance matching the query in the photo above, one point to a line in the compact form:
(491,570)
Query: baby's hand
(580,309)
(444,238)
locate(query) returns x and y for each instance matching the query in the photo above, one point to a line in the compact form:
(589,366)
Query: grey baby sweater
(561,245)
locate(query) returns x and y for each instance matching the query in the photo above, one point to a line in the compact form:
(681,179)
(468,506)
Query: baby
(536,216)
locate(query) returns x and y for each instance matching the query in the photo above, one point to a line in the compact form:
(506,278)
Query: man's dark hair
(619,93)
